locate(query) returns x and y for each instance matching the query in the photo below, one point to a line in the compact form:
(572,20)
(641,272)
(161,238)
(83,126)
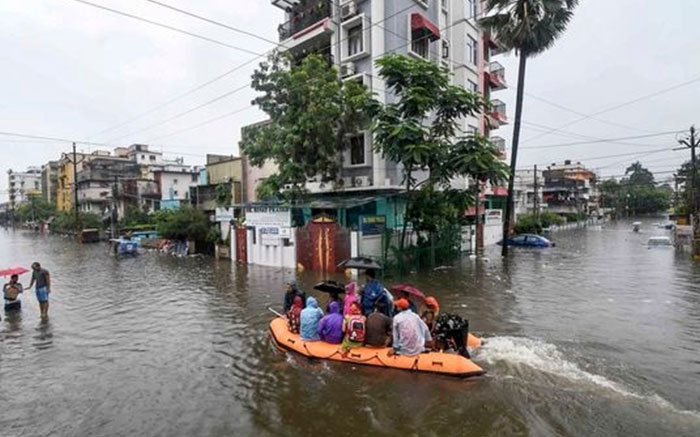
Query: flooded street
(597,336)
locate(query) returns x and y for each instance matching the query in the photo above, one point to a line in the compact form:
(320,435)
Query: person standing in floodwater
(42,278)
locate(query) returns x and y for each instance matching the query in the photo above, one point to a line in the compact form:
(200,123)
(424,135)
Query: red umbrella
(408,289)
(13,271)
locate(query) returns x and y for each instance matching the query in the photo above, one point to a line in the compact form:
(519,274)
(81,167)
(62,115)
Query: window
(357,150)
(472,86)
(473,130)
(152,157)
(143,156)
(471,47)
(421,46)
(471,8)
(355,40)
(194,177)
(445,49)
(174,181)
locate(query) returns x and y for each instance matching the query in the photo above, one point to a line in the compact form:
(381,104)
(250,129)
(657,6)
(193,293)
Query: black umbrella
(330,287)
(360,262)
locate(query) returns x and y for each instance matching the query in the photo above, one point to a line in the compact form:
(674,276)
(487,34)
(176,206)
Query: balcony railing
(496,76)
(304,14)
(497,115)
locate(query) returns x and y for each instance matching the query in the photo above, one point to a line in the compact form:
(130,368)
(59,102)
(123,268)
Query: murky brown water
(598,336)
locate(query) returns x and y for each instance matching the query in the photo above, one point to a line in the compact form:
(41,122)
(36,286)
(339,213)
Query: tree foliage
(529,27)
(311,115)
(636,193)
(135,216)
(534,224)
(185,223)
(34,209)
(421,131)
(67,222)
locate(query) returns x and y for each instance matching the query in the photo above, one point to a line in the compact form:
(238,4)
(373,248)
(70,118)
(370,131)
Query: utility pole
(691,142)
(477,218)
(675,193)
(536,200)
(75,186)
(113,215)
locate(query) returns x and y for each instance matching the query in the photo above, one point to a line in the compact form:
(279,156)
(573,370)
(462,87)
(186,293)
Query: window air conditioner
(347,69)
(348,9)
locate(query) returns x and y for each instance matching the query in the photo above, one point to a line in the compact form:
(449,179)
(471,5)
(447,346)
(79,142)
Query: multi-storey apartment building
(354,33)
(21,185)
(570,188)
(527,191)
(49,181)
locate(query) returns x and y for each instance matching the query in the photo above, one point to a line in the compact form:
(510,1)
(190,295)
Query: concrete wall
(225,171)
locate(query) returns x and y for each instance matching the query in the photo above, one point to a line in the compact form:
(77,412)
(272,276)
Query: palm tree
(529,27)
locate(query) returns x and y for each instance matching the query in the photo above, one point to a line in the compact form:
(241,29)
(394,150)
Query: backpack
(356,329)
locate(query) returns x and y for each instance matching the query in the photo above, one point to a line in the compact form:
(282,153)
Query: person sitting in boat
(378,327)
(292,290)
(350,296)
(449,330)
(294,315)
(372,291)
(355,329)
(431,312)
(334,297)
(310,316)
(410,334)
(330,328)
(11,292)
(411,306)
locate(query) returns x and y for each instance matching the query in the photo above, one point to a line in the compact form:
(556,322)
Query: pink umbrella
(408,289)
(13,271)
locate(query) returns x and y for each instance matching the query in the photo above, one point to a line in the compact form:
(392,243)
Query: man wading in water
(43,287)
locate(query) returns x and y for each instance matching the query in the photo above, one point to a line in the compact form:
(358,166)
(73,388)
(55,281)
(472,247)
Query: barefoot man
(41,277)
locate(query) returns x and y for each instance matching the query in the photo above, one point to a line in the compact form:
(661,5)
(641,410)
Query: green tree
(223,194)
(35,208)
(529,27)
(420,130)
(135,216)
(185,223)
(638,175)
(311,112)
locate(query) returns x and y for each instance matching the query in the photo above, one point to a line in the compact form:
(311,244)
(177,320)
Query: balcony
(496,116)
(500,145)
(306,18)
(496,77)
(495,48)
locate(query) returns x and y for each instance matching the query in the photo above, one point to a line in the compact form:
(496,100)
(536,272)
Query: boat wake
(546,357)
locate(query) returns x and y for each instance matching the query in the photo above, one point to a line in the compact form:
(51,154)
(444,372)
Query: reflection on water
(593,337)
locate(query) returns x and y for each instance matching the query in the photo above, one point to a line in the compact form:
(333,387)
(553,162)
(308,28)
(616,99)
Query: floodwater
(597,336)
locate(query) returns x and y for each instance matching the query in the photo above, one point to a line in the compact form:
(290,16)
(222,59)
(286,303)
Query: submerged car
(528,240)
(661,241)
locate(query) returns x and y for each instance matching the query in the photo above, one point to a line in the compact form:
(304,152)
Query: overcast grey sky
(71,71)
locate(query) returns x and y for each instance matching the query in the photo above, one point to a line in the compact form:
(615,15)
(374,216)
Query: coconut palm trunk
(508,222)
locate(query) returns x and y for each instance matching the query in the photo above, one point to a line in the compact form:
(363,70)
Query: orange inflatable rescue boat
(434,362)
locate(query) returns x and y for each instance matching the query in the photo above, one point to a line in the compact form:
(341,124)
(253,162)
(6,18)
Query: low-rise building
(21,185)
(570,188)
(175,183)
(525,193)
(221,171)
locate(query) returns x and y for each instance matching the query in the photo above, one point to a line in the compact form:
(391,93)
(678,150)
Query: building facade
(354,33)
(527,191)
(49,181)
(570,188)
(22,185)
(220,171)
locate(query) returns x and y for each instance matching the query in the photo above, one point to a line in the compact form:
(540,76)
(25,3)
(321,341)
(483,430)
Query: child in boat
(330,328)
(291,291)
(294,315)
(350,296)
(310,317)
(354,327)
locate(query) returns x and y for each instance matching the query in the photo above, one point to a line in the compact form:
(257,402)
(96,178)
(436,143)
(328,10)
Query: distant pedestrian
(42,279)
